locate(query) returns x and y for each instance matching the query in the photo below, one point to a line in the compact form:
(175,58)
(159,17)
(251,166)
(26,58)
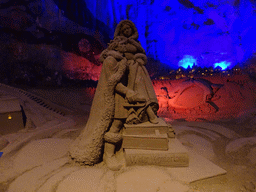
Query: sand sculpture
(124,96)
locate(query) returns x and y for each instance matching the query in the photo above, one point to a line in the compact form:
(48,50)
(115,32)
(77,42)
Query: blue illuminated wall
(206,32)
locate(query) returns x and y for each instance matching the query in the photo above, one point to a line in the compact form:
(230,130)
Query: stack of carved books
(153,144)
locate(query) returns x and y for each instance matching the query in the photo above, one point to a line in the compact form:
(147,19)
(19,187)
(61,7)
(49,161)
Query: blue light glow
(187,60)
(224,65)
(170,29)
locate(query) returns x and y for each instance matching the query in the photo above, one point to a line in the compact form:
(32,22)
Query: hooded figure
(124,94)
(137,79)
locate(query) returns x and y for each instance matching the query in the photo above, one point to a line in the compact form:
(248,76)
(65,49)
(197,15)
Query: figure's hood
(130,23)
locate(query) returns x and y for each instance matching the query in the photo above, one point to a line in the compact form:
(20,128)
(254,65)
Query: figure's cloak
(87,148)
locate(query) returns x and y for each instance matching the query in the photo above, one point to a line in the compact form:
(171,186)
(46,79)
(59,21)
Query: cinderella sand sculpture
(124,94)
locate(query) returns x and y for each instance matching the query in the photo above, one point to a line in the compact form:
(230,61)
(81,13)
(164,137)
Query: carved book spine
(151,141)
(175,156)
(138,157)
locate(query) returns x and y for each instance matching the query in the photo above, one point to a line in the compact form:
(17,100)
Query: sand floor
(40,162)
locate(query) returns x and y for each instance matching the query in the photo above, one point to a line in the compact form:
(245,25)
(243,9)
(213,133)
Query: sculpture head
(127,29)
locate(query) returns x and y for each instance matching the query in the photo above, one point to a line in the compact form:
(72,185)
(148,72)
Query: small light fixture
(9,116)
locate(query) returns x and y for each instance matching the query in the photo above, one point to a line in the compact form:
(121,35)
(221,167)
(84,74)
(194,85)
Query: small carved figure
(124,94)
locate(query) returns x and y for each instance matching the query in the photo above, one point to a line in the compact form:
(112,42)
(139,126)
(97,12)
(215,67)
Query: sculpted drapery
(124,94)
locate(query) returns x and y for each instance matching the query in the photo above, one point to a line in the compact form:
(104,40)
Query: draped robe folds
(140,82)
(119,66)
(108,104)
(87,148)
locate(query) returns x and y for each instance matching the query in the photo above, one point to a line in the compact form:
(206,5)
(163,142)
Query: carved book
(176,156)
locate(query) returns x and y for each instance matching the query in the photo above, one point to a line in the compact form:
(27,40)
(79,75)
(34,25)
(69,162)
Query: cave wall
(173,33)
(212,32)
(206,98)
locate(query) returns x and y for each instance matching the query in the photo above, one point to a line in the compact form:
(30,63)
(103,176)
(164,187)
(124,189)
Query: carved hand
(134,97)
(140,61)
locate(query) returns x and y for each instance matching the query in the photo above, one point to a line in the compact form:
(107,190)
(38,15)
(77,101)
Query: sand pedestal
(153,144)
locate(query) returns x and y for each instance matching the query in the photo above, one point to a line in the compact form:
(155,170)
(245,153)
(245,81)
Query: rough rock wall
(211,32)
(205,99)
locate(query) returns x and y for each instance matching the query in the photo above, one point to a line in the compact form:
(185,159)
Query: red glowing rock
(211,99)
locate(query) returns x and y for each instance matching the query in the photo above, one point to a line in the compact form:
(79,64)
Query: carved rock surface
(39,152)
(3,143)
(83,180)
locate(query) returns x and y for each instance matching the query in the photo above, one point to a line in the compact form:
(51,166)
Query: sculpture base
(149,128)
(175,156)
(153,144)
(155,141)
